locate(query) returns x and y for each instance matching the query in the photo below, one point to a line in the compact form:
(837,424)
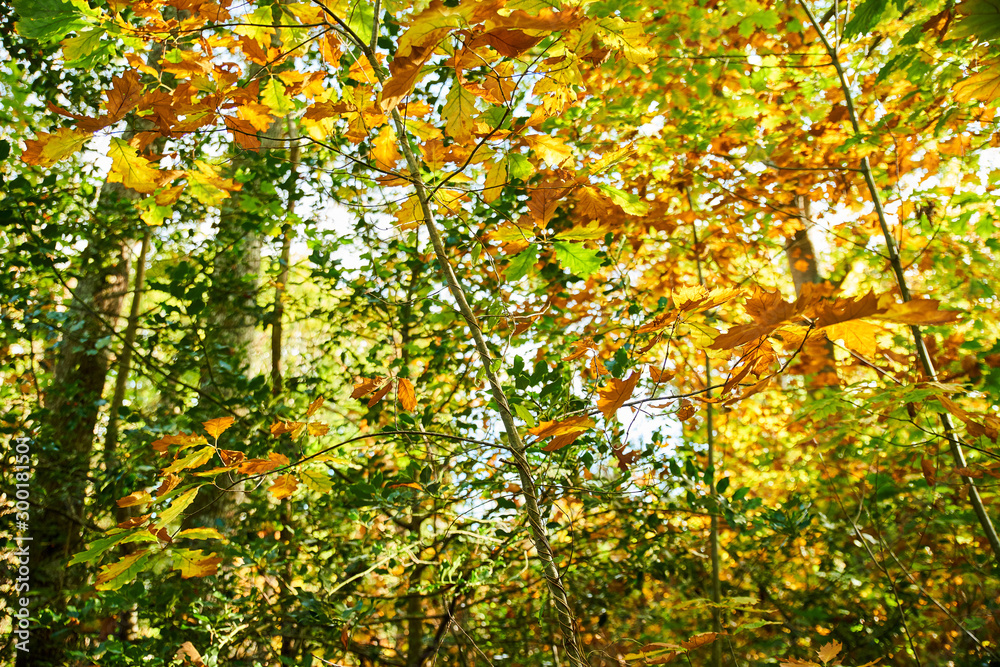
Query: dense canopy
(500,332)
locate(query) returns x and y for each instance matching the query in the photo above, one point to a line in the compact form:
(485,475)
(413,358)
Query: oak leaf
(49,148)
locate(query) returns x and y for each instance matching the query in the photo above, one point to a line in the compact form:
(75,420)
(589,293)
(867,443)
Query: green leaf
(866,17)
(524,414)
(117,574)
(518,166)
(51,20)
(82,45)
(630,203)
(981,22)
(273,95)
(522,263)
(579,260)
(180,504)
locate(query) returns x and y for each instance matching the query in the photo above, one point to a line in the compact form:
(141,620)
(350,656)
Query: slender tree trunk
(818,359)
(72,403)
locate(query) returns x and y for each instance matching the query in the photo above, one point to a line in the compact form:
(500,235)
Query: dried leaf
(829,651)
(134,499)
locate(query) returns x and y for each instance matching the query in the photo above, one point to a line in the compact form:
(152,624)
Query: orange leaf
(614,395)
(216,427)
(257,466)
(406,394)
(555,428)
(284,486)
(314,406)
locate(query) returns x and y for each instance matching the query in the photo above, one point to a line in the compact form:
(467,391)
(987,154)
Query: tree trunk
(66,436)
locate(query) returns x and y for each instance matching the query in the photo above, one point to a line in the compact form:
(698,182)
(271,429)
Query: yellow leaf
(317,480)
(857,335)
(48,149)
(177,506)
(406,394)
(551,149)
(628,37)
(983,86)
(216,427)
(461,104)
(192,460)
(916,311)
(194,563)
(284,486)
(131,169)
(318,428)
(614,395)
(200,534)
(410,214)
(496,179)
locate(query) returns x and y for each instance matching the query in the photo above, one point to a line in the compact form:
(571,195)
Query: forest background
(514,332)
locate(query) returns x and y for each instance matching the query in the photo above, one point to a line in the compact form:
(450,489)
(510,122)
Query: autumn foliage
(506,332)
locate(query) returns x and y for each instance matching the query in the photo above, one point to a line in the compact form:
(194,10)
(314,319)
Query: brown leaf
(187,650)
(613,396)
(244,134)
(231,457)
(380,394)
(133,499)
(930,472)
(686,411)
(365,386)
(168,484)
